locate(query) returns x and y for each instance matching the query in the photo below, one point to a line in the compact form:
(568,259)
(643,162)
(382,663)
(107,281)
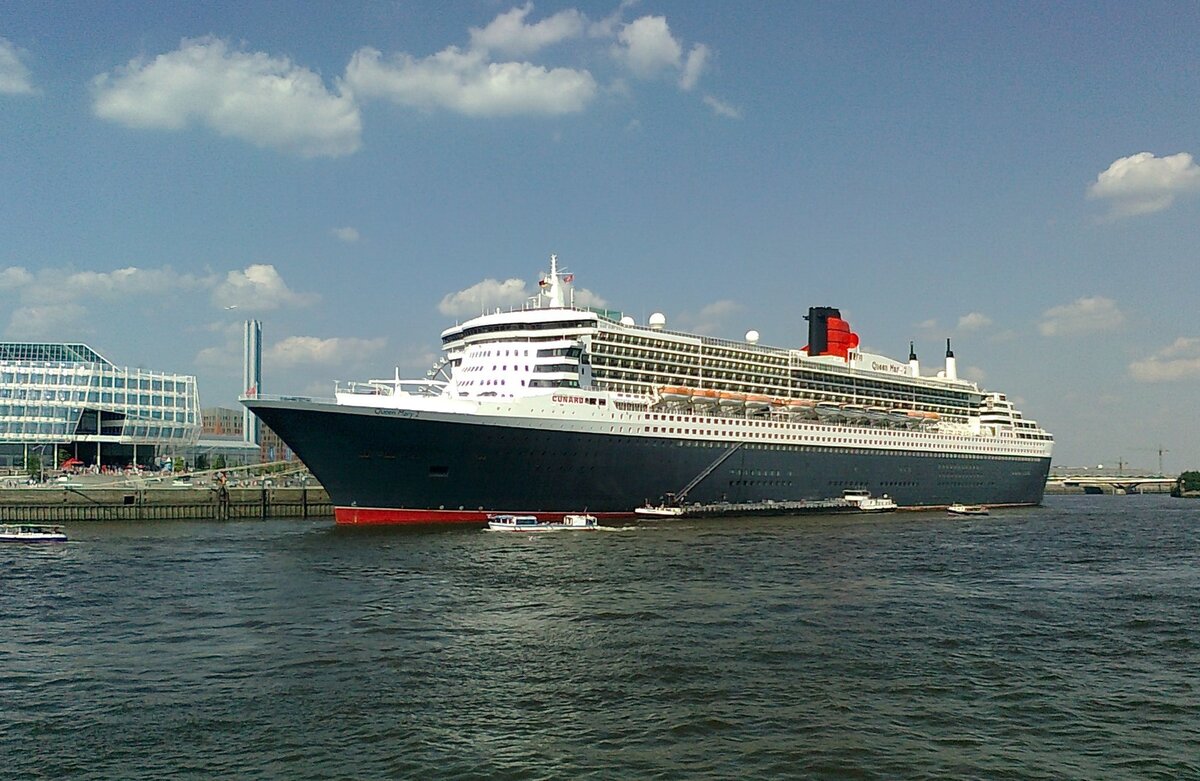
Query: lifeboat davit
(674,393)
(829,410)
(878,416)
(898,417)
(802,407)
(731,399)
(854,413)
(757,401)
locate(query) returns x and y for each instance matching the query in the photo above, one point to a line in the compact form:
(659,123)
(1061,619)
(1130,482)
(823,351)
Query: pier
(230,494)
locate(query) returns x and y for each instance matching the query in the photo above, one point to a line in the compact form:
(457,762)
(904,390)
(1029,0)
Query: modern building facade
(225,425)
(64,401)
(251,377)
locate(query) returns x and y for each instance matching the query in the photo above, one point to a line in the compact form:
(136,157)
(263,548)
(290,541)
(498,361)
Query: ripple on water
(1057,642)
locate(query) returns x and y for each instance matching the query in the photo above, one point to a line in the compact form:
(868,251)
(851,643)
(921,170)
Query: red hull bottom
(382,516)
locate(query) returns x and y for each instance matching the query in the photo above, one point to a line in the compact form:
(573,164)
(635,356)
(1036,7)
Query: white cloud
(721,108)
(251,96)
(694,66)
(50,322)
(15,78)
(492,294)
(1179,360)
(484,296)
(974,374)
(467,83)
(1143,183)
(347,234)
(228,357)
(647,48)
(973,321)
(1082,316)
(508,33)
(72,293)
(710,319)
(584,297)
(258,286)
(59,285)
(14,277)
(313,351)
(122,284)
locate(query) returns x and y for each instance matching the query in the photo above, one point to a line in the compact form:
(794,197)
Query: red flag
(568,277)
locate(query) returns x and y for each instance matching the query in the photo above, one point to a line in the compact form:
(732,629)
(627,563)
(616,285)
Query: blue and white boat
(531,523)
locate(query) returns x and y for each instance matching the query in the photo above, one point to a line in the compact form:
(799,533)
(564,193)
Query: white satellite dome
(752,336)
(627,320)
(658,321)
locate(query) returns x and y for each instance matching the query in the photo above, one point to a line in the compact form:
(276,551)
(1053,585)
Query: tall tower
(251,376)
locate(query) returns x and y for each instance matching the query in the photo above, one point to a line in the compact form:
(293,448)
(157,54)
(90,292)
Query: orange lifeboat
(705,396)
(674,393)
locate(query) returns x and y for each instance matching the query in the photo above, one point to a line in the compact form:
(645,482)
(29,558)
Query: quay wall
(54,504)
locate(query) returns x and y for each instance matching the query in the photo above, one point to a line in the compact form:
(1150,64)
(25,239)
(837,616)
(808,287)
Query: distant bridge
(1117,484)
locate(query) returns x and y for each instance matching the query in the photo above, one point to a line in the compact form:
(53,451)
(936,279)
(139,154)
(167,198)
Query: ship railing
(395,387)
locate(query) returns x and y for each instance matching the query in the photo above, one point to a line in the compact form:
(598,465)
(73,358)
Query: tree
(1188,481)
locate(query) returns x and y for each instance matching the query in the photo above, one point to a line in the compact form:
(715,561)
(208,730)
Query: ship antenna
(555,291)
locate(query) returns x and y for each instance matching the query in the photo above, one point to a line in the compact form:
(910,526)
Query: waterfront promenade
(213,495)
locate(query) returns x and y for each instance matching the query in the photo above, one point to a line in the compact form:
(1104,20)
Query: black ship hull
(419,468)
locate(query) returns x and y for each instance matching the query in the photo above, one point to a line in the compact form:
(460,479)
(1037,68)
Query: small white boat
(30,532)
(660,511)
(967,509)
(866,503)
(531,523)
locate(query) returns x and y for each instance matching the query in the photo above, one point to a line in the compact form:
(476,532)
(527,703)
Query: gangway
(679,497)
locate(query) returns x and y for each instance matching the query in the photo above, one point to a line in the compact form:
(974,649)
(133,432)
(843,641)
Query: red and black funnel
(828,333)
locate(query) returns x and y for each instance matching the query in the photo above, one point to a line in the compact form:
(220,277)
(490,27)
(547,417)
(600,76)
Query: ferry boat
(531,523)
(967,509)
(555,405)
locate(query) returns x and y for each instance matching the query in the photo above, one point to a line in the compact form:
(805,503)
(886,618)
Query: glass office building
(68,401)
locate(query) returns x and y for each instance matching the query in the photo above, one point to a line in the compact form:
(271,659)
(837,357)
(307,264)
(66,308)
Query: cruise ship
(555,408)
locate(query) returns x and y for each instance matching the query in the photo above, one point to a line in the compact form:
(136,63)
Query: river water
(1042,643)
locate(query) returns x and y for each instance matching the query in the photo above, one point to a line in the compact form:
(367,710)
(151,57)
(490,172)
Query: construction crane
(1160,450)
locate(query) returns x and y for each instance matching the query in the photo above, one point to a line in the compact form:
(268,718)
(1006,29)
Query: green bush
(1189,481)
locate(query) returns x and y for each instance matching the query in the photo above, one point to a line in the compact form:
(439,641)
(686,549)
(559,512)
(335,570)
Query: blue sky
(1019,177)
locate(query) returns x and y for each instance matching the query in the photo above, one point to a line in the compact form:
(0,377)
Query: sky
(1018,177)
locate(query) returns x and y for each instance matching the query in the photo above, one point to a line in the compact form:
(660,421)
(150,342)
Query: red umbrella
(71,462)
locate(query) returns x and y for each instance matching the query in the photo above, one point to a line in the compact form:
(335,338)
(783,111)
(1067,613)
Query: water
(1042,643)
